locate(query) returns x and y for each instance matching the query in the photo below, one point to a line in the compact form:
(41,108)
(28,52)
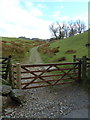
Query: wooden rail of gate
(42,75)
(5,67)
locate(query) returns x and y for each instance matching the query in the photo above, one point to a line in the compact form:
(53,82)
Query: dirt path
(49,102)
(34,56)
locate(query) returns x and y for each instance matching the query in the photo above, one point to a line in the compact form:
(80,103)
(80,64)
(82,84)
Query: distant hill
(21,37)
(24,38)
(37,39)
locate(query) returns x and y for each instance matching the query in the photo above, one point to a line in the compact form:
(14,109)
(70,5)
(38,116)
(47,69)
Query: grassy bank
(63,50)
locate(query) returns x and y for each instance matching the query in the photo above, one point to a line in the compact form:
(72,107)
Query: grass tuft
(70,51)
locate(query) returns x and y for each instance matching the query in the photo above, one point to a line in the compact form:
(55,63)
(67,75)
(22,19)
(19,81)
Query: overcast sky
(31,18)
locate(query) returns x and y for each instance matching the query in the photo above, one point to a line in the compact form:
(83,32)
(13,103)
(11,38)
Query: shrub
(4,41)
(55,50)
(62,59)
(70,51)
(45,49)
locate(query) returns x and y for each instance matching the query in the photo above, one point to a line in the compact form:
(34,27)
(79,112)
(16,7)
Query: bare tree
(61,30)
(66,29)
(80,26)
(54,30)
(72,28)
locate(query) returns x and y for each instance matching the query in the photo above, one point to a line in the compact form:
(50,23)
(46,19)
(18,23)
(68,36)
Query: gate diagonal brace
(29,71)
(30,82)
(45,80)
(37,76)
(43,73)
(65,73)
(45,70)
(32,74)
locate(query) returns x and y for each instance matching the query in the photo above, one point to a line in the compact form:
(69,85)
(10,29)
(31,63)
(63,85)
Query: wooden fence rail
(5,68)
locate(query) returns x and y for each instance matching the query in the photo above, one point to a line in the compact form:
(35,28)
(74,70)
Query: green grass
(76,43)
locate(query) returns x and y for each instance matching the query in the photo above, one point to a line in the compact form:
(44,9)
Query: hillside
(63,50)
(18,48)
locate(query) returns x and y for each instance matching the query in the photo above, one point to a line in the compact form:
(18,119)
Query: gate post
(79,72)
(84,68)
(18,76)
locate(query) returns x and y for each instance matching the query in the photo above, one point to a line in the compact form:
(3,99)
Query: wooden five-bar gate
(42,75)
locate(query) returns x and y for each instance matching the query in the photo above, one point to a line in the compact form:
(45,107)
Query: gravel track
(48,102)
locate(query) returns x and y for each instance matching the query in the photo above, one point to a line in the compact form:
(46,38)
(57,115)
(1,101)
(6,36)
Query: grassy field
(18,48)
(65,49)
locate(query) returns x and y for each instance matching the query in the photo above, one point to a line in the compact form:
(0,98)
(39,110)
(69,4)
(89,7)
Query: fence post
(13,82)
(84,68)
(74,58)
(18,76)
(79,72)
